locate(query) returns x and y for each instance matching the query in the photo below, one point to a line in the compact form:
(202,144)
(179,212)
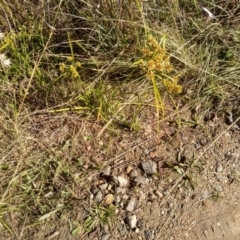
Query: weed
(188,168)
(156,64)
(99,216)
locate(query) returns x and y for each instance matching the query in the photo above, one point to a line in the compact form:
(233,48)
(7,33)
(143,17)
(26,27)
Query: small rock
(218,188)
(149,167)
(220,168)
(134,173)
(103,186)
(129,169)
(132,221)
(122,229)
(107,170)
(94,190)
(205,194)
(122,182)
(118,199)
(106,236)
(114,179)
(109,199)
(158,193)
(141,180)
(149,235)
(220,178)
(131,204)
(188,153)
(125,197)
(98,197)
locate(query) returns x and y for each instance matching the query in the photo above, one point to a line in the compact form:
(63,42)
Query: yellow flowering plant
(71,68)
(156,64)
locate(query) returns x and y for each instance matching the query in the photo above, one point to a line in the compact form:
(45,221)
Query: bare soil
(194,194)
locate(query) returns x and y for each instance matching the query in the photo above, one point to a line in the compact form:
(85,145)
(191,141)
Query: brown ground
(203,206)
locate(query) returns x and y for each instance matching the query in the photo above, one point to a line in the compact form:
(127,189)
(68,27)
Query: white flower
(4,60)
(2,57)
(2,35)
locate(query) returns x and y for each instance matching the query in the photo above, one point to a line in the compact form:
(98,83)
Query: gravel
(132,221)
(141,180)
(99,196)
(149,167)
(131,204)
(122,182)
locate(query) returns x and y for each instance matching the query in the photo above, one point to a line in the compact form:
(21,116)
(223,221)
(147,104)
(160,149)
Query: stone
(122,229)
(94,190)
(218,188)
(117,199)
(134,173)
(141,180)
(158,193)
(98,197)
(109,199)
(132,221)
(131,204)
(103,186)
(149,167)
(220,168)
(149,235)
(122,182)
(107,170)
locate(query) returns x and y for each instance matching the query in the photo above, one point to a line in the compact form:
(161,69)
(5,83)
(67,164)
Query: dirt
(194,194)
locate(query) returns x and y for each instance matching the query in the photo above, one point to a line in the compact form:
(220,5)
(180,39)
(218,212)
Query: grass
(75,70)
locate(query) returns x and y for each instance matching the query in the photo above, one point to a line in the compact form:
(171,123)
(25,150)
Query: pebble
(149,167)
(132,221)
(103,186)
(98,197)
(107,170)
(94,191)
(106,236)
(109,199)
(158,193)
(134,173)
(131,204)
(129,169)
(218,188)
(149,235)
(114,179)
(122,182)
(220,168)
(188,153)
(118,199)
(222,179)
(141,180)
(122,229)
(205,194)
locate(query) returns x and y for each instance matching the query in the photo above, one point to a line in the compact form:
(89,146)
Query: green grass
(79,65)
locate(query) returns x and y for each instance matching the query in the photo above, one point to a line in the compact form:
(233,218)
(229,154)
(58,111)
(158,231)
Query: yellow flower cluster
(156,62)
(172,85)
(155,59)
(72,68)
